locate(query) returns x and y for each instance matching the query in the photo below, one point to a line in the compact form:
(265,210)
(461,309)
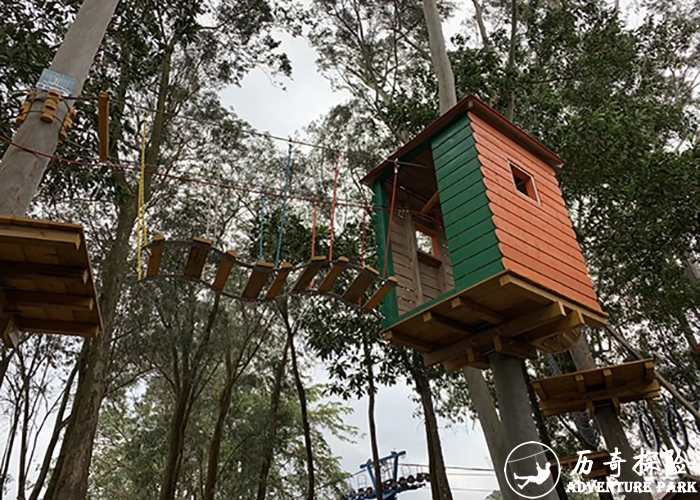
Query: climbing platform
(598,469)
(226,274)
(46,281)
(591,389)
(506,313)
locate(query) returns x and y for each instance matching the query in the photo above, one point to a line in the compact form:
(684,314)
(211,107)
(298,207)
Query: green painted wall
(390,305)
(471,233)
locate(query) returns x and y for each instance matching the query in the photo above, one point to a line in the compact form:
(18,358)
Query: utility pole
(22,171)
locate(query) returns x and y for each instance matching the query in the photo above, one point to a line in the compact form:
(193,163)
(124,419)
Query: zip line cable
(203,182)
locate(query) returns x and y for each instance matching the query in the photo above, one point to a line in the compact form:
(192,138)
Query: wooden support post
(156,258)
(380,294)
(279,281)
(337,269)
(224,271)
(199,251)
(434,199)
(518,422)
(103,125)
(361,284)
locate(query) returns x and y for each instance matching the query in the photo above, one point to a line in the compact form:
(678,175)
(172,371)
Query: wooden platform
(598,470)
(46,280)
(590,389)
(226,274)
(506,313)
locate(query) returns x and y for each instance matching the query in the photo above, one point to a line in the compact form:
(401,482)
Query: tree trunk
(438,52)
(217,435)
(5,363)
(269,451)
(511,58)
(310,494)
(57,428)
(518,424)
(8,449)
(371,410)
(176,442)
(438,475)
(479,16)
(76,450)
(22,477)
(609,424)
(22,171)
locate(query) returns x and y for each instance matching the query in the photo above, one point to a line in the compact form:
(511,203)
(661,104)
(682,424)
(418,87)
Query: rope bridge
(197,261)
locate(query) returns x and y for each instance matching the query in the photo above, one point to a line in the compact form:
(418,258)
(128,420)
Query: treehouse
(471,220)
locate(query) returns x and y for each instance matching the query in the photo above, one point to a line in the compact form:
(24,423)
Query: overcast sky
(282,112)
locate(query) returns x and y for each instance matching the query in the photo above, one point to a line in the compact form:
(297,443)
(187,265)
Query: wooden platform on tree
(46,280)
(587,390)
(598,469)
(506,313)
(226,274)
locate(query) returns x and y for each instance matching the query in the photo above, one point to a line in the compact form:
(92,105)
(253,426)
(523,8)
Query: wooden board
(336,270)
(309,273)
(157,248)
(380,294)
(585,390)
(258,278)
(47,280)
(224,271)
(199,251)
(524,314)
(279,281)
(364,279)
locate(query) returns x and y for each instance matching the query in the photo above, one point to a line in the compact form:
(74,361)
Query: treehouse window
(427,242)
(524,182)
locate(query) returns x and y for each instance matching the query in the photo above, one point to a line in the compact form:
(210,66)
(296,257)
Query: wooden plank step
(258,279)
(224,271)
(199,251)
(337,269)
(156,258)
(279,281)
(17,298)
(380,294)
(41,272)
(363,281)
(87,330)
(309,273)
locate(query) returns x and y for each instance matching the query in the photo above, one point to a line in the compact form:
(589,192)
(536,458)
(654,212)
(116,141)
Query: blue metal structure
(392,483)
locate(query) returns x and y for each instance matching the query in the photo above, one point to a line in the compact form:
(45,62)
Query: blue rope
(284,206)
(262,227)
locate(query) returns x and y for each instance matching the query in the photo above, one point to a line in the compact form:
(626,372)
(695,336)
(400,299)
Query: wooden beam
(10,335)
(452,324)
(608,376)
(38,236)
(199,251)
(43,272)
(648,370)
(156,258)
(103,125)
(87,330)
(258,279)
(224,271)
(434,199)
(515,348)
(483,312)
(580,383)
(538,294)
(539,390)
(309,273)
(477,359)
(533,320)
(279,281)
(380,294)
(336,270)
(572,320)
(412,342)
(19,298)
(363,281)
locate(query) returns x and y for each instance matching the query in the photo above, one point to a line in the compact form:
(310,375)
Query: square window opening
(427,242)
(524,182)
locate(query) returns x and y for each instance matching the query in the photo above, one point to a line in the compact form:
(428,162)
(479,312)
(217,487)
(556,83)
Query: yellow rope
(142,232)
